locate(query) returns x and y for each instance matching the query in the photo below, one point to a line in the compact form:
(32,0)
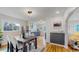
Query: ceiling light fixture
(30,12)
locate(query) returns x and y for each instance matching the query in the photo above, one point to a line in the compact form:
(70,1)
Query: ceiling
(75,16)
(37,12)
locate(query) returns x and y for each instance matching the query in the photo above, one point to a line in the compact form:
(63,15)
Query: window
(77,27)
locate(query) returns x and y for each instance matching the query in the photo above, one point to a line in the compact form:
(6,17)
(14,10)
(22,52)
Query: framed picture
(57,25)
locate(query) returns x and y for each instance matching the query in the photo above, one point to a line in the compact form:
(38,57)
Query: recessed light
(57,12)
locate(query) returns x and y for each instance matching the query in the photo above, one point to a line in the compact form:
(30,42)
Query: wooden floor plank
(55,48)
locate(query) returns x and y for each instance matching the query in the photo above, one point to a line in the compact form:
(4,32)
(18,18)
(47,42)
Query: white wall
(49,27)
(73,20)
(4,18)
(11,34)
(48,23)
(9,19)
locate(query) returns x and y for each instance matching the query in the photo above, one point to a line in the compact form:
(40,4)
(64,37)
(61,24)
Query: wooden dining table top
(27,39)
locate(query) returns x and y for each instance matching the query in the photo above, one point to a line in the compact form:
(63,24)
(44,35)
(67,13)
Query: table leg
(35,43)
(29,46)
(25,48)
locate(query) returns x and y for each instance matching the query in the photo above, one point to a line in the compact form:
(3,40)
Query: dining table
(27,40)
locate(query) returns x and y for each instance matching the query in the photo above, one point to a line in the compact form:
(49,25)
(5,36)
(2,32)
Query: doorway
(73,30)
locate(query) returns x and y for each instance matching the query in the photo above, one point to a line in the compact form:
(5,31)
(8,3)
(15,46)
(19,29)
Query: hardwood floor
(53,48)
(3,46)
(56,48)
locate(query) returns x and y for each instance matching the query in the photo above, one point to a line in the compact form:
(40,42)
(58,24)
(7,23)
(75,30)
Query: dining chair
(12,45)
(21,45)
